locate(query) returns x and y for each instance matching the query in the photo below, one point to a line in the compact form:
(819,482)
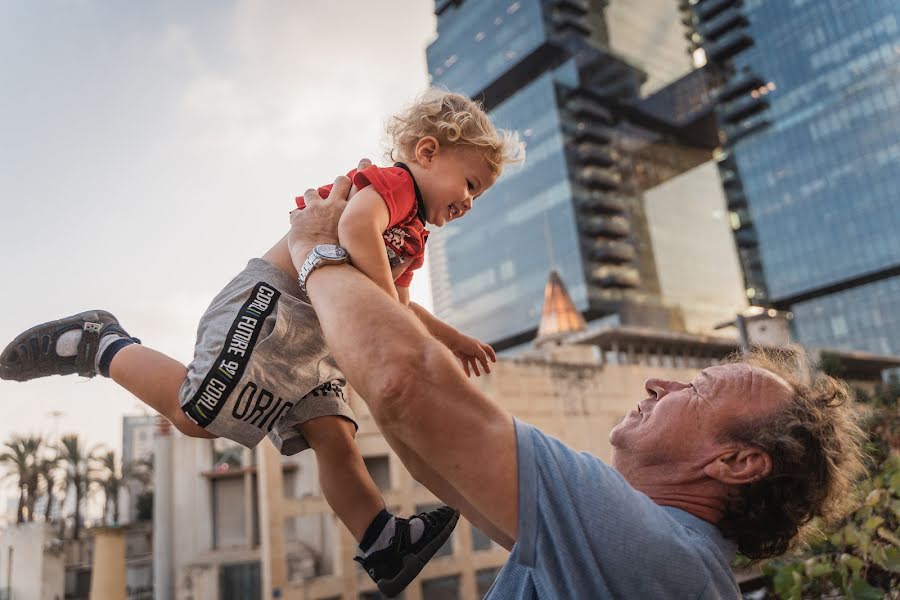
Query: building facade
(606,99)
(809,112)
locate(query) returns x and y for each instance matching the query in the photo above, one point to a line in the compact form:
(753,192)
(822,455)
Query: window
(379,468)
(484,579)
(480,541)
(442,588)
(240,582)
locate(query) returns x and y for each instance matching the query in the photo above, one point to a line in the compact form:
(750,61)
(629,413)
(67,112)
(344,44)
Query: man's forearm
(417,393)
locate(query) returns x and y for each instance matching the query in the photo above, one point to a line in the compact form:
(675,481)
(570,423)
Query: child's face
(450,180)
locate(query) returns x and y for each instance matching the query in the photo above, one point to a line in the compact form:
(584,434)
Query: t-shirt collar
(420,203)
(705,528)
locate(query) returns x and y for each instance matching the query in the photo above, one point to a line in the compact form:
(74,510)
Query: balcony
(610,252)
(573,6)
(742,108)
(599,177)
(611,227)
(615,276)
(733,133)
(589,153)
(728,45)
(729,177)
(584,130)
(588,108)
(565,22)
(746,238)
(707,9)
(736,199)
(740,84)
(596,202)
(724,22)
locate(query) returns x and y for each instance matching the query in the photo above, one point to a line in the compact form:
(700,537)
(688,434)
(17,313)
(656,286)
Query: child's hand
(471,352)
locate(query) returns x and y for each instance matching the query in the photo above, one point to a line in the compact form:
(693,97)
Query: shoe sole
(15,372)
(414,563)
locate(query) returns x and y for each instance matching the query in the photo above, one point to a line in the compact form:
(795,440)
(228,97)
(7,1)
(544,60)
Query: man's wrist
(301,249)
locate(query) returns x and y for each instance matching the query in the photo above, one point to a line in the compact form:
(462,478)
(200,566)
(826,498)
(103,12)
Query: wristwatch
(322,255)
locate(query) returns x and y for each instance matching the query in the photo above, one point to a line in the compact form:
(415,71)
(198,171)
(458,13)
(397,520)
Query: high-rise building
(809,110)
(605,96)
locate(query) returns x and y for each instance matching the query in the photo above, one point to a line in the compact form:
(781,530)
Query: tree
(76,462)
(19,465)
(47,468)
(110,483)
(859,557)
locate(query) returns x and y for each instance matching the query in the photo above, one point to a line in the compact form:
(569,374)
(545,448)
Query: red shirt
(405,235)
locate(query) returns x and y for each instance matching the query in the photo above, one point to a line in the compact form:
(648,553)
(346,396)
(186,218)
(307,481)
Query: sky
(149,149)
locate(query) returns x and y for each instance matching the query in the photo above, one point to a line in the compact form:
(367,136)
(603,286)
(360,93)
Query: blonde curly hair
(453,120)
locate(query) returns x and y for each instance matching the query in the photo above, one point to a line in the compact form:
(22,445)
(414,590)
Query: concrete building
(32,563)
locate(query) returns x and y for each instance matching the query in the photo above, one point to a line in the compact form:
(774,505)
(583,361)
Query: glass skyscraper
(809,110)
(595,144)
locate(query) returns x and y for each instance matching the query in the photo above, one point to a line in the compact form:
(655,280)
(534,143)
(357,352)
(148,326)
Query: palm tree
(76,461)
(34,446)
(47,469)
(110,484)
(18,463)
(140,470)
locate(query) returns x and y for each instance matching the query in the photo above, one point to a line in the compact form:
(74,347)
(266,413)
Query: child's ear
(427,149)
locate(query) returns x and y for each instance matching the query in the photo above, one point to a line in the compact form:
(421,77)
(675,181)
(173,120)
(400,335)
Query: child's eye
(471,186)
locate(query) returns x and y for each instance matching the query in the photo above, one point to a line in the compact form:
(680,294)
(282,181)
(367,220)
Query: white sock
(67,344)
(416,529)
(105,341)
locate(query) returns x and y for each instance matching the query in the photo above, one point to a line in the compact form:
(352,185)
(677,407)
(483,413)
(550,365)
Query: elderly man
(740,458)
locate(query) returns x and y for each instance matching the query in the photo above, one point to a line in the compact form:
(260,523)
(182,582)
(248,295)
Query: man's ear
(426,150)
(740,466)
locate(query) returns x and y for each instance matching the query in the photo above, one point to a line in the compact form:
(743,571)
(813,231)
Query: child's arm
(467,349)
(360,232)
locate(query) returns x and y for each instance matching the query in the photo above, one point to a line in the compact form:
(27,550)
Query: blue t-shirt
(584,532)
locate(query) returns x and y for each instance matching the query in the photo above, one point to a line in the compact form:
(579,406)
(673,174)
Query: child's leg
(94,343)
(156,380)
(345,481)
(391,550)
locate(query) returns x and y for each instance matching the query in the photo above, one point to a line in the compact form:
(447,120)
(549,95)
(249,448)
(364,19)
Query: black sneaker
(33,353)
(394,567)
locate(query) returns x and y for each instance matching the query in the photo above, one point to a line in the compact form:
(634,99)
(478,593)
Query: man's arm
(415,391)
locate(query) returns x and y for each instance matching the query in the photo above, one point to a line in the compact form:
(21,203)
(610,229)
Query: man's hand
(471,352)
(318,222)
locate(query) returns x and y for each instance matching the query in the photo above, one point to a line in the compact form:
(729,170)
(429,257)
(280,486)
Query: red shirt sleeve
(324,191)
(393,184)
(406,278)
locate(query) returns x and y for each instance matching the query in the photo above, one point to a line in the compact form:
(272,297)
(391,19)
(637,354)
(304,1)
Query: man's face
(679,425)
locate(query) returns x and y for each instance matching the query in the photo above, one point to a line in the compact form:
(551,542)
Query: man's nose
(655,388)
(660,387)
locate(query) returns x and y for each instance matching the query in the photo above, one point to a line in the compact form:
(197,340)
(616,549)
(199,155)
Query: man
(740,458)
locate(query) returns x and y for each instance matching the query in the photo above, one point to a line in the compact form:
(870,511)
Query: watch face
(330,251)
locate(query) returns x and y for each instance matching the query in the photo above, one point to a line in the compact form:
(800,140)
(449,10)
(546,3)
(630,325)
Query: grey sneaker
(33,353)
